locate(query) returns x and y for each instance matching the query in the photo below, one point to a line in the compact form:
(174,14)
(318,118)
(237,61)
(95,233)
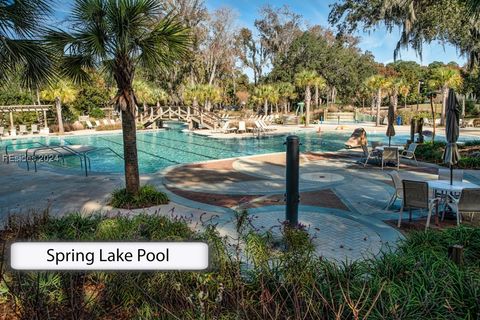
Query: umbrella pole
(451,174)
(389,141)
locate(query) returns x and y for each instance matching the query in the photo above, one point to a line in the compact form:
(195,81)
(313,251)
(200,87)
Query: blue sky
(379,42)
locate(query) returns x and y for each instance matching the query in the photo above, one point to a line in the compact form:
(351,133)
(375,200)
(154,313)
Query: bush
(469,163)
(249,278)
(105,127)
(430,152)
(408,115)
(147,196)
(67,127)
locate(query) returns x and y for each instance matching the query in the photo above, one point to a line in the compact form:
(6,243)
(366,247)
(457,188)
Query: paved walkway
(341,201)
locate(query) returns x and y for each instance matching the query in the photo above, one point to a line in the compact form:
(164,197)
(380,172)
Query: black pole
(451,174)
(292,195)
(389,141)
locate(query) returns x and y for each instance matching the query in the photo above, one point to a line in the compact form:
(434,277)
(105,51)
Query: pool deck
(341,201)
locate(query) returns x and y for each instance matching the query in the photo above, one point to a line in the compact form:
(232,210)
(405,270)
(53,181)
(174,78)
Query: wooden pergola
(25,108)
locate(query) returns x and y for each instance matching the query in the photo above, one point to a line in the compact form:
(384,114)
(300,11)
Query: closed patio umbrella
(452,131)
(391,120)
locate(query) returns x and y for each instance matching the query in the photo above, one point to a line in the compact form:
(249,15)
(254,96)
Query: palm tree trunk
(379,105)
(317,97)
(58,106)
(444,104)
(132,179)
(308,98)
(395,100)
(265,107)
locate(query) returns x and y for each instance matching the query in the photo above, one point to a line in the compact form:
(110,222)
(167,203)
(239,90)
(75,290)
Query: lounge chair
(415,196)
(391,154)
(241,127)
(97,123)
(470,123)
(367,154)
(226,128)
(2,131)
(23,129)
(410,153)
(397,184)
(265,126)
(258,127)
(105,122)
(35,129)
(467,203)
(88,124)
(112,122)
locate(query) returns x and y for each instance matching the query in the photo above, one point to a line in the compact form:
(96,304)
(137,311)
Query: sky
(379,42)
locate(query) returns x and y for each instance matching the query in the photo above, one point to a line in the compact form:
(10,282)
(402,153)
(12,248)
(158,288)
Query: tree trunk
(265,107)
(317,97)
(444,105)
(434,125)
(379,105)
(132,179)
(308,98)
(58,106)
(372,107)
(395,100)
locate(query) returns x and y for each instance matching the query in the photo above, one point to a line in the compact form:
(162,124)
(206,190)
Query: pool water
(160,149)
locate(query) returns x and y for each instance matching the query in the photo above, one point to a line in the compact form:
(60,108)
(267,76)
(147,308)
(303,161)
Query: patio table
(382,148)
(444,187)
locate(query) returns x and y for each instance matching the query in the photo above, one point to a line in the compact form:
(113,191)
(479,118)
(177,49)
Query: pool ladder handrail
(54,148)
(19,144)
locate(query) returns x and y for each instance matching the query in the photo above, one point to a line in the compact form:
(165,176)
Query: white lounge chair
(397,184)
(112,122)
(241,127)
(410,153)
(258,127)
(367,155)
(89,124)
(265,126)
(23,129)
(105,122)
(97,123)
(226,128)
(35,129)
(2,131)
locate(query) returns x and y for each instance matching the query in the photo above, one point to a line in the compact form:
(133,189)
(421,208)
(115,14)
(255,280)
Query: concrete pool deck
(341,201)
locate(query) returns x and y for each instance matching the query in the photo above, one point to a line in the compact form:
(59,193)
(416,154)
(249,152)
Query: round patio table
(454,189)
(382,148)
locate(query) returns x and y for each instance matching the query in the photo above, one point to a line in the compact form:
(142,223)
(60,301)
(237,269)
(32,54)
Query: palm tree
(320,84)
(21,51)
(306,79)
(286,92)
(143,93)
(377,83)
(62,91)
(404,90)
(445,78)
(120,36)
(264,93)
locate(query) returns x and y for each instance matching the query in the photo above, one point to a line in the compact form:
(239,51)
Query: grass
(250,277)
(147,196)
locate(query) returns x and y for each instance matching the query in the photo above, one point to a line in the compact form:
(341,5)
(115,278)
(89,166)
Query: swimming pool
(160,149)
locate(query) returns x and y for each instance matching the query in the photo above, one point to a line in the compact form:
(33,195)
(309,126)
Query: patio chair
(265,126)
(467,203)
(410,153)
(34,128)
(415,196)
(444,174)
(89,124)
(376,144)
(367,154)
(23,129)
(391,154)
(241,127)
(397,184)
(258,127)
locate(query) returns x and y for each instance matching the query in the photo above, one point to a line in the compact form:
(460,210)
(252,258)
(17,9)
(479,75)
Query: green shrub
(408,115)
(108,127)
(249,278)
(469,163)
(430,152)
(147,196)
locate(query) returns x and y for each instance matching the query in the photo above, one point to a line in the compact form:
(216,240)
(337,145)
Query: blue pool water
(160,149)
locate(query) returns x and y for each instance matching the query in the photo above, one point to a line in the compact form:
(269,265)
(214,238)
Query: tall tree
(445,78)
(21,51)
(306,79)
(377,84)
(120,36)
(265,94)
(252,54)
(59,92)
(286,92)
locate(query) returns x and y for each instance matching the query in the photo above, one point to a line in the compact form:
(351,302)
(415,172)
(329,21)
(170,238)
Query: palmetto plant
(60,91)
(377,84)
(286,92)
(306,79)
(119,36)
(21,24)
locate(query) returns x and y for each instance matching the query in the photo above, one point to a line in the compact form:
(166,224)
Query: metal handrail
(19,144)
(39,149)
(85,157)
